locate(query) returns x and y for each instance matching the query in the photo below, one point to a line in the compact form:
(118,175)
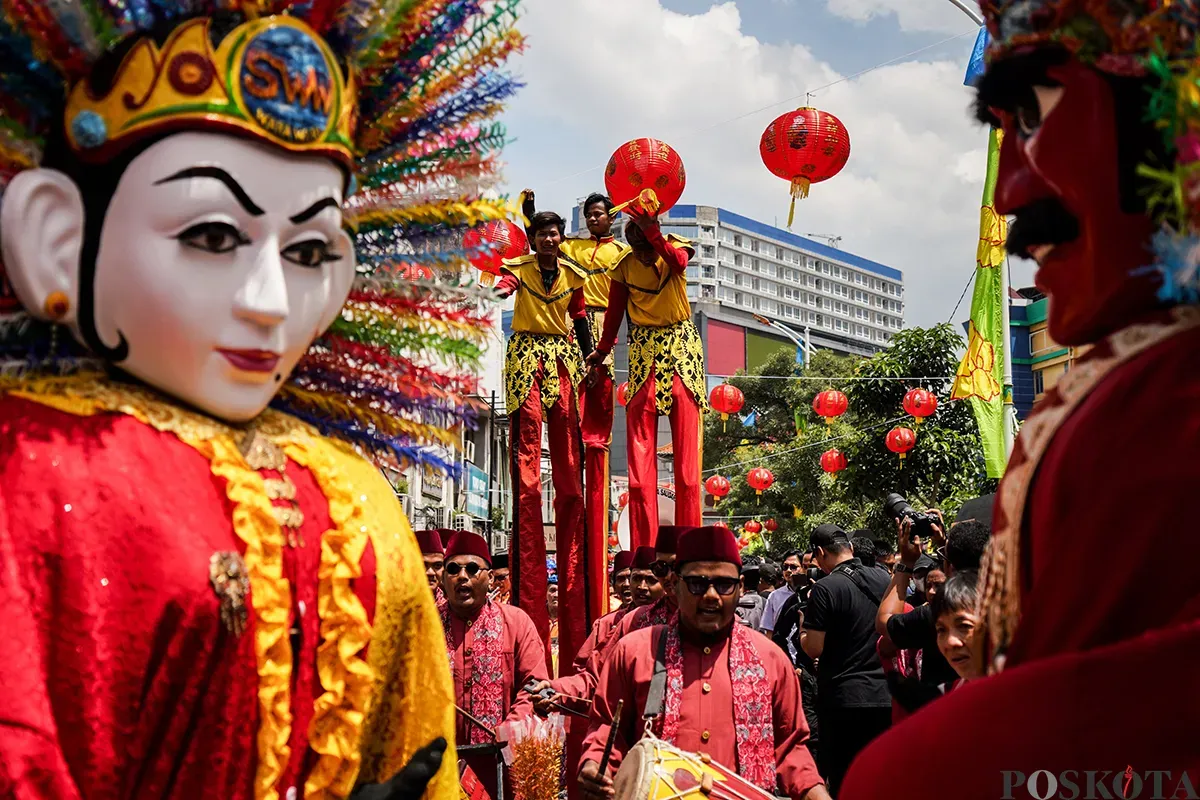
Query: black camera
(922,523)
(815,574)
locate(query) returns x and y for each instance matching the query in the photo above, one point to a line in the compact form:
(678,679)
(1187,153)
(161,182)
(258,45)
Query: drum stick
(576,699)
(612,739)
(467,714)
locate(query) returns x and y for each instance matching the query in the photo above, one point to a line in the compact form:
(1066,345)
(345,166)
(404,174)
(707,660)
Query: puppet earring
(56,305)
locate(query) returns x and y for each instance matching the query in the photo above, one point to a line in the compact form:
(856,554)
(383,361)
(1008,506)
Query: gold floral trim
(530,355)
(270,593)
(999,603)
(670,350)
(336,727)
(595,318)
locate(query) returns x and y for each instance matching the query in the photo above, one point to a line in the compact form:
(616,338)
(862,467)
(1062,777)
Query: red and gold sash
(487,671)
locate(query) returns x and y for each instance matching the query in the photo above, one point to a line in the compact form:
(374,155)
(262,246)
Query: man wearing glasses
(494,650)
(728,691)
(661,610)
(793,575)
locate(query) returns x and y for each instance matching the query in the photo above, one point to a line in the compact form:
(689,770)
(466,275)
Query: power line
(807,93)
(925,378)
(804,446)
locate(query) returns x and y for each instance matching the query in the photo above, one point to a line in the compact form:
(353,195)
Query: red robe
(706,719)
(1101,672)
(524,661)
(117,676)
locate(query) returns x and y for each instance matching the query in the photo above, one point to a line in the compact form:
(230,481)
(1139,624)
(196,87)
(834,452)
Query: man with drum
(723,691)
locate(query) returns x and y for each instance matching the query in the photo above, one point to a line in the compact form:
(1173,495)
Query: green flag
(980,376)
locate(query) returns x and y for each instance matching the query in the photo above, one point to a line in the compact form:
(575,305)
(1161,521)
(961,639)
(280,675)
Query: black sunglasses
(661,569)
(473,569)
(699,586)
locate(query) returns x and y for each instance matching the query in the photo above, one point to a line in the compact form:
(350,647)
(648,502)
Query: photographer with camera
(901,629)
(853,705)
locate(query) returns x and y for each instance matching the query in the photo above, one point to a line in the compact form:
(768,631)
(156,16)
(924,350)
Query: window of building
(754,284)
(707,231)
(738,298)
(707,291)
(756,303)
(779,253)
(1040,342)
(739,279)
(708,251)
(755,265)
(771,269)
(754,245)
(708,271)
(737,259)
(693,291)
(725,274)
(1039,383)
(737,240)
(693,273)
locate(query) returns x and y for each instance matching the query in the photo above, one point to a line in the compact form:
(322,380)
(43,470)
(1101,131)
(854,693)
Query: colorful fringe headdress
(1155,39)
(402,92)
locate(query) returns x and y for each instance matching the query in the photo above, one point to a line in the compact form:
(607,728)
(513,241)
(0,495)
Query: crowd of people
(782,671)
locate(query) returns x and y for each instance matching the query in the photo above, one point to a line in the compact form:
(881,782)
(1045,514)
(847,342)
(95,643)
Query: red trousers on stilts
(641,421)
(528,563)
(597,407)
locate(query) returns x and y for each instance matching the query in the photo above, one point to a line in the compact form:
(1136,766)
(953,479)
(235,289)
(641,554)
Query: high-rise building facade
(745,268)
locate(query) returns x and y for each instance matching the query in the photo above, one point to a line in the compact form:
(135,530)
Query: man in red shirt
(494,650)
(433,553)
(1107,205)
(729,692)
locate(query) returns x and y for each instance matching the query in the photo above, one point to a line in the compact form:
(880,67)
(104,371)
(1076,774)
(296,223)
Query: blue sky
(600,72)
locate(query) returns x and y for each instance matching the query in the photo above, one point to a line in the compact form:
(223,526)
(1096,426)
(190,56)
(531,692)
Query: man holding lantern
(666,369)
(1098,165)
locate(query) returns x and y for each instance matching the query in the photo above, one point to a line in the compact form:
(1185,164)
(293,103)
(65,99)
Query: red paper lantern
(760,479)
(900,440)
(920,403)
(615,524)
(648,171)
(613,541)
(753,526)
(805,146)
(721,525)
(771,525)
(717,486)
(727,399)
(493,242)
(623,500)
(833,460)
(623,394)
(743,543)
(830,404)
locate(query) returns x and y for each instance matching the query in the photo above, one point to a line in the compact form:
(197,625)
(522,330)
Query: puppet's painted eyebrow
(216,173)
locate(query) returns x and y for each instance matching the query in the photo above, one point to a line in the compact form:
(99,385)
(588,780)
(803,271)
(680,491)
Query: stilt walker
(542,372)
(666,370)
(596,254)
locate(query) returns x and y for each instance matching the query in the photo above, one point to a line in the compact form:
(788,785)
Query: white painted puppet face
(220,260)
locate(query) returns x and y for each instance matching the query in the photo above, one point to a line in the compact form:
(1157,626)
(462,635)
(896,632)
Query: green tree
(944,469)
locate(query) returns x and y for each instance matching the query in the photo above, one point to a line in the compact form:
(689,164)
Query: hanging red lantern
(920,403)
(623,393)
(805,146)
(900,440)
(753,526)
(721,525)
(727,399)
(833,460)
(771,525)
(717,486)
(648,171)
(613,541)
(623,500)
(830,404)
(494,241)
(760,479)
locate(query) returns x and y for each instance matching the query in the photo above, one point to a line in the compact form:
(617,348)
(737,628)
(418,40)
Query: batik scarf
(486,686)
(752,714)
(657,613)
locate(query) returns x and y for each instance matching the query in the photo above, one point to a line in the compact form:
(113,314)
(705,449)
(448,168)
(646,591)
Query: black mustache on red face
(1044,221)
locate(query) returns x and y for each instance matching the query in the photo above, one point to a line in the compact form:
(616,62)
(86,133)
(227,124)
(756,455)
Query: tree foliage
(944,469)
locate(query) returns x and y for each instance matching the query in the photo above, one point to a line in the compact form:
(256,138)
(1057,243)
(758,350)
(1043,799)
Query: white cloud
(912,15)
(600,72)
